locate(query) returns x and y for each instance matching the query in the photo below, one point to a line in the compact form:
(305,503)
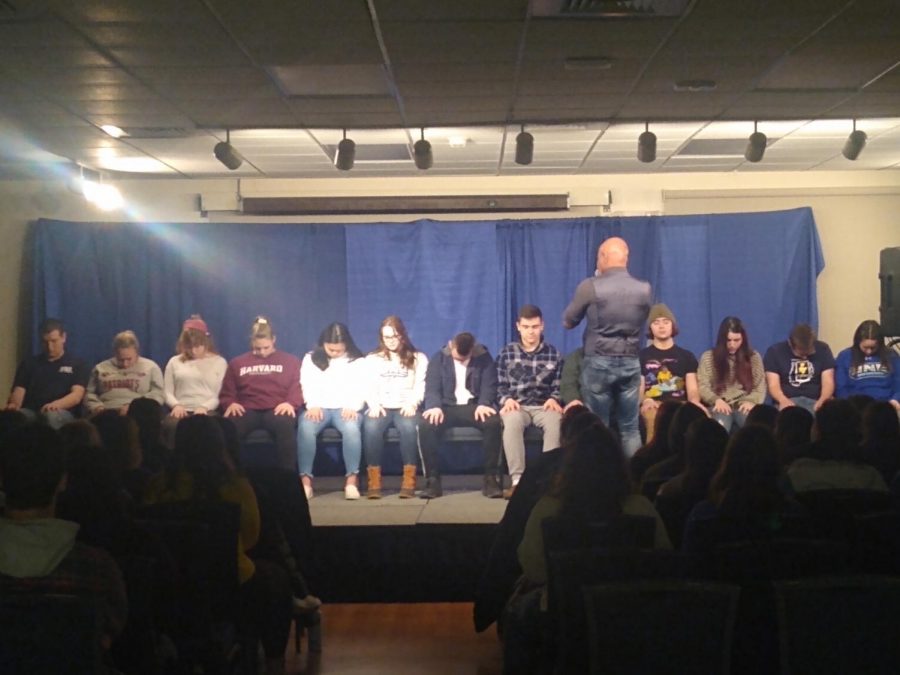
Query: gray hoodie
(34,548)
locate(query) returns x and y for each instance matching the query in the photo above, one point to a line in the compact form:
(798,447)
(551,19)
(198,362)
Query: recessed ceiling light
(114,131)
(694,85)
(588,63)
(458,141)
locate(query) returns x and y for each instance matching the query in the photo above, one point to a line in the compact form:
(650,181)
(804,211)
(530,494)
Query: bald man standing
(616,305)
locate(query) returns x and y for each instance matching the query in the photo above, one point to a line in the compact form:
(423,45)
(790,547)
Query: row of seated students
(81,509)
(461,385)
(702,488)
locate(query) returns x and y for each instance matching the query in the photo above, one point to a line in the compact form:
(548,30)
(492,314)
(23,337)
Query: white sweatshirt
(194,383)
(390,384)
(340,386)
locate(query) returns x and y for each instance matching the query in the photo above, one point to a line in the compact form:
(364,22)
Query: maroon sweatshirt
(262,383)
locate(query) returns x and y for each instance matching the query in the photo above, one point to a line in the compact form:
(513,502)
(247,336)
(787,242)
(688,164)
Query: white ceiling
(286,77)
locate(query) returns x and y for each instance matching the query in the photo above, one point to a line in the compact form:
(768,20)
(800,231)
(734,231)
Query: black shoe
(493,488)
(432,489)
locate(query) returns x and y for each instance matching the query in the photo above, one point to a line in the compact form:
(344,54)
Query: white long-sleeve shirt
(194,383)
(390,384)
(340,386)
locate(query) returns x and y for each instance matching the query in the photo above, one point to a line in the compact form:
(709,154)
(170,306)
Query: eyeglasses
(390,337)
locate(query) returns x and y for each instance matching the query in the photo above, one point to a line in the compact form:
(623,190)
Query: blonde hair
(262,329)
(124,340)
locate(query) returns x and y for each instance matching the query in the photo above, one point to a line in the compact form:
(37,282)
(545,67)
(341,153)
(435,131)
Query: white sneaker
(309,492)
(351,492)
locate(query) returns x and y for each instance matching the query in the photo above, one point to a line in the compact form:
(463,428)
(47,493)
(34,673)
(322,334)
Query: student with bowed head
(731,375)
(116,382)
(395,386)
(261,390)
(193,377)
(331,377)
(869,367)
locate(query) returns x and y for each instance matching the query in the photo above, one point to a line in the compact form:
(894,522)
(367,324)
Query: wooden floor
(400,639)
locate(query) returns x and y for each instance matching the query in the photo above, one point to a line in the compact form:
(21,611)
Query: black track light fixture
(855,143)
(422,153)
(524,147)
(647,145)
(756,146)
(346,154)
(226,153)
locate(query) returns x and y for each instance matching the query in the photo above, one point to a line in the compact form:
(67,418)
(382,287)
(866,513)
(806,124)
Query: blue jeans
(733,420)
(55,419)
(351,440)
(608,379)
(374,428)
(806,403)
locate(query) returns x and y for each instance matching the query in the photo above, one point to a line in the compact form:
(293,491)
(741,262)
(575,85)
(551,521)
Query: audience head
(10,420)
(232,439)
(685,415)
(880,423)
(32,467)
(195,340)
(793,428)
(747,481)
(262,337)
(334,342)
(836,431)
(704,447)
(200,451)
(594,478)
(732,343)
(764,415)
(575,420)
(126,349)
(80,433)
(860,402)
(661,425)
(868,340)
(121,439)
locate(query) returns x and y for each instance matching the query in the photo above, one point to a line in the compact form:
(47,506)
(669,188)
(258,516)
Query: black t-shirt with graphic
(799,376)
(664,371)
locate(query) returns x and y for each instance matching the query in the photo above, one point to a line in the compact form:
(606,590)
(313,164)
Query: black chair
(839,625)
(877,546)
(49,635)
(570,571)
(661,627)
(833,511)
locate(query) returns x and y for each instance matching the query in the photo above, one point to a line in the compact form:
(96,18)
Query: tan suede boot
(373,488)
(408,486)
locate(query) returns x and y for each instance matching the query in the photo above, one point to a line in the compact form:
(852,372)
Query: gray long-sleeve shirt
(616,305)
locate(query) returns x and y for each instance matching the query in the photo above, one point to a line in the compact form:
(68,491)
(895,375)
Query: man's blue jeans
(351,440)
(614,379)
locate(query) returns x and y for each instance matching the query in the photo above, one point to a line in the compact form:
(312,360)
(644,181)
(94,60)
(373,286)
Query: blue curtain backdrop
(440,277)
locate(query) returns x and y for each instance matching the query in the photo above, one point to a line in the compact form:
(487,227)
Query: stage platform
(401,550)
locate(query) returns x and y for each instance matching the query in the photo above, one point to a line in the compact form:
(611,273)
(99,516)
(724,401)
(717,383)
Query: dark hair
(704,447)
(594,478)
(32,463)
(200,451)
(80,433)
(837,431)
(792,432)
(575,420)
(746,483)
(802,337)
(147,413)
(880,423)
(683,418)
(743,371)
(334,333)
(120,435)
(232,440)
(869,330)
(530,312)
(406,350)
(464,343)
(49,325)
(763,414)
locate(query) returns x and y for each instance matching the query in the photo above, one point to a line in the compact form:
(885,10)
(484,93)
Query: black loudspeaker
(890,291)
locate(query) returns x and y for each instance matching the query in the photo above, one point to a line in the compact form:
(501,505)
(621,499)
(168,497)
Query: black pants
(459,416)
(282,427)
(266,607)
